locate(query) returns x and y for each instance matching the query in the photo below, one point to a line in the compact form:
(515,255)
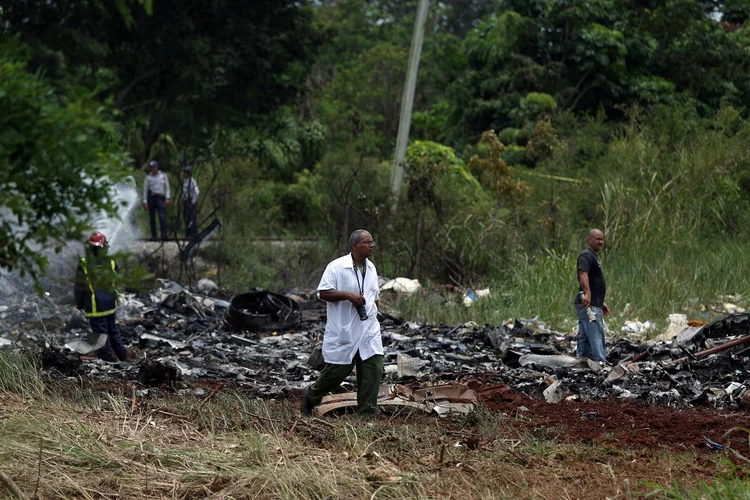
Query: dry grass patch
(114,446)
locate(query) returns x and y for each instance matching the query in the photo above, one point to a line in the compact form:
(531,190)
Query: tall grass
(727,487)
(275,264)
(654,281)
(20,373)
(673,208)
(237,447)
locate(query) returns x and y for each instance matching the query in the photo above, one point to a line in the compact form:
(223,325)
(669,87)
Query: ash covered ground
(685,392)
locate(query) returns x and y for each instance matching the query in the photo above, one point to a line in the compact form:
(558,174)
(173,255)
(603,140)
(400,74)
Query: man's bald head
(595,240)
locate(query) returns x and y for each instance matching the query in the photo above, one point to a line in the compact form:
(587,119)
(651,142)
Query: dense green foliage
(58,158)
(538,55)
(534,120)
(177,70)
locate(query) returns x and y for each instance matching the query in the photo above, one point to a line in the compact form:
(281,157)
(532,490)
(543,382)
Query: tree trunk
(345,226)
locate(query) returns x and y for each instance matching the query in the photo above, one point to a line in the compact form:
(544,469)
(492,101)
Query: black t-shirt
(588,262)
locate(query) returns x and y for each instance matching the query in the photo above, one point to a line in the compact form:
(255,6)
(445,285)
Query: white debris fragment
(91,343)
(206,286)
(447,408)
(554,393)
(622,393)
(730,308)
(734,387)
(401,285)
(470,296)
(128,300)
(397,337)
(677,324)
(637,328)
(174,344)
(408,366)
(552,361)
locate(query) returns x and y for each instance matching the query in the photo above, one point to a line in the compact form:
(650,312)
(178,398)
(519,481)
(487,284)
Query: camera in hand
(362,311)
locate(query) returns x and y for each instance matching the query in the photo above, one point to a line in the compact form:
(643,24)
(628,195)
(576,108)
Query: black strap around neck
(363,271)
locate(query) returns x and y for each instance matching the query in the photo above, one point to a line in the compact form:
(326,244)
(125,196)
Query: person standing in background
(156,198)
(190,194)
(589,303)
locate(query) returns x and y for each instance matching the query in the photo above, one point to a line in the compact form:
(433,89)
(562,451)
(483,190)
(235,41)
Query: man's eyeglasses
(368,243)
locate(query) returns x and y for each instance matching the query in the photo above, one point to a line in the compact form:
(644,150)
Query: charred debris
(271,341)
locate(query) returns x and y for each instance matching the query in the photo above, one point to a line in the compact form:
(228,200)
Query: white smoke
(119,229)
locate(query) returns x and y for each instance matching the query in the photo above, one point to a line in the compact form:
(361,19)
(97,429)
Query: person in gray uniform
(156,198)
(190,194)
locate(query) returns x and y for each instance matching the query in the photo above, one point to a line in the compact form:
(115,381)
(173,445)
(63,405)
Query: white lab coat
(345,333)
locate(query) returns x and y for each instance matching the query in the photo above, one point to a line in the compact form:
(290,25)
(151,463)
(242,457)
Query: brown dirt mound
(618,422)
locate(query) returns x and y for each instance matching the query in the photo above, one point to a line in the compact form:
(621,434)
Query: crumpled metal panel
(442,399)
(729,325)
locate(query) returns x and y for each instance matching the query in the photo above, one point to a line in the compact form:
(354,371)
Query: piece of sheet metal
(443,400)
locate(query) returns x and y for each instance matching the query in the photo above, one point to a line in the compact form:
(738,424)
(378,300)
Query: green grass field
(648,285)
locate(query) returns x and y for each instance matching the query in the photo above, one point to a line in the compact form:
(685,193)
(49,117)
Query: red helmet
(97,239)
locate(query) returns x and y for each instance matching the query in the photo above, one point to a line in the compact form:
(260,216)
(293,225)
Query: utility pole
(407,102)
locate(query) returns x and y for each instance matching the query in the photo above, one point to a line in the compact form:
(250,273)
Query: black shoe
(306,408)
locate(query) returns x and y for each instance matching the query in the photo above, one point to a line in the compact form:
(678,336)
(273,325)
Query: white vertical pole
(407,101)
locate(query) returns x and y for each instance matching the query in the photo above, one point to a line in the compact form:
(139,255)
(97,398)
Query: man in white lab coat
(352,335)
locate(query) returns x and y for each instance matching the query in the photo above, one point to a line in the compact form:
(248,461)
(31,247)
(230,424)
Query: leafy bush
(537,102)
(444,211)
(512,135)
(654,89)
(59,159)
(303,204)
(513,154)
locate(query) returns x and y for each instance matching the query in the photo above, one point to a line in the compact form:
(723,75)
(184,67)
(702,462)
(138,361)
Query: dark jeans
(106,324)
(156,205)
(190,213)
(369,375)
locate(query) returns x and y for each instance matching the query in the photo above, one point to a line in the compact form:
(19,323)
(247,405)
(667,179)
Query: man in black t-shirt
(589,303)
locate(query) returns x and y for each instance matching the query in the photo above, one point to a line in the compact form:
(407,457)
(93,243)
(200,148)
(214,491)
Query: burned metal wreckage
(271,341)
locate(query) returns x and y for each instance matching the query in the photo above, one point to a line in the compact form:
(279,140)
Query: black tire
(262,311)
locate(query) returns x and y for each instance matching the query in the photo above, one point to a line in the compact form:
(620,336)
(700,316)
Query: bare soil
(619,422)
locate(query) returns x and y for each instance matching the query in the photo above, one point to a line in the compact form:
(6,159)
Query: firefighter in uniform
(95,294)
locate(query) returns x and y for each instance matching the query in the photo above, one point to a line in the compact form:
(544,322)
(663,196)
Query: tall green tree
(373,89)
(181,68)
(362,67)
(591,54)
(59,157)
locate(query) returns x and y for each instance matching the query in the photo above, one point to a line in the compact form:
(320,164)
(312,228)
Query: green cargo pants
(369,375)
